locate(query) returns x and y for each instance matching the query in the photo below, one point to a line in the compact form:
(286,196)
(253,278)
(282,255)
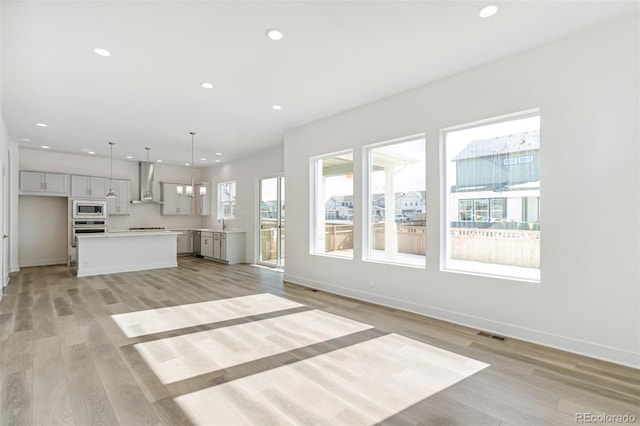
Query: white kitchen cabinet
(120,204)
(203,199)
(88,186)
(216,246)
(184,242)
(227,246)
(42,183)
(206,244)
(176,202)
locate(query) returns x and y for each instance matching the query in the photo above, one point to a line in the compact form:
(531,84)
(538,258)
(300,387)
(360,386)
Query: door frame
(258,243)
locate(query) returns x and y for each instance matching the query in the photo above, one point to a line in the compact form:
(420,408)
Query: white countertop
(226,231)
(115,234)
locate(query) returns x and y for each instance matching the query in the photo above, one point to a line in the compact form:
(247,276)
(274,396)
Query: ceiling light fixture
(25,140)
(203,159)
(41,125)
(111,194)
(274,34)
(218,153)
(206,85)
(488,11)
(217,161)
(44,147)
(276,107)
(159,161)
(102,52)
(147,195)
(129,157)
(91,153)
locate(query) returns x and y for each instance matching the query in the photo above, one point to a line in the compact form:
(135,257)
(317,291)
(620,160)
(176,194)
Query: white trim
(556,341)
(447,264)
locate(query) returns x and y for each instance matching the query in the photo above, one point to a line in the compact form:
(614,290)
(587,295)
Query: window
(396,202)
(333,205)
(492,182)
(227,200)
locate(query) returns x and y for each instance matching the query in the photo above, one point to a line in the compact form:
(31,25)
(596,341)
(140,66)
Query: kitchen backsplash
(148,215)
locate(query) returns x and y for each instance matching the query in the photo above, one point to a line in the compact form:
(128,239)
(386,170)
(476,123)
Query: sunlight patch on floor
(152,321)
(361,384)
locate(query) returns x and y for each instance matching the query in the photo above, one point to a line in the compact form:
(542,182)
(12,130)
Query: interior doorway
(272,222)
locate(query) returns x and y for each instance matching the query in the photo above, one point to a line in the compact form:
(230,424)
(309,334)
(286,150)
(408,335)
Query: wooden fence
(269,244)
(338,237)
(501,246)
(411,238)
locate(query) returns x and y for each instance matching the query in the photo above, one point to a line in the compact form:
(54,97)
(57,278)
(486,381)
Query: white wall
(588,299)
(43,230)
(245,173)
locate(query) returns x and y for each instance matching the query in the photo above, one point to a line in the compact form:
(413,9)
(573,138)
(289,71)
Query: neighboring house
(339,207)
(498,180)
(268,209)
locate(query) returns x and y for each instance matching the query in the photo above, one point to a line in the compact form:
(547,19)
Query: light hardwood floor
(64,360)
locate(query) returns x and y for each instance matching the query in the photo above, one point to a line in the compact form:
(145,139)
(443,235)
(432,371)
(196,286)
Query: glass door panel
(271,208)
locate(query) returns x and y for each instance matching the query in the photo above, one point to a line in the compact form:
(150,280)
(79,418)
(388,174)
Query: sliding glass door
(271,214)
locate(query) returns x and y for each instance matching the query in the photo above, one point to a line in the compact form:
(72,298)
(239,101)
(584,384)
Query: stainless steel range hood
(146,183)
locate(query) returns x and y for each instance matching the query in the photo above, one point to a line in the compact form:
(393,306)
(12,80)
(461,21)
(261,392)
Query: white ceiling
(335,56)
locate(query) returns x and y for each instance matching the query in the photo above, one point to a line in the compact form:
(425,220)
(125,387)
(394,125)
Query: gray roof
(526,141)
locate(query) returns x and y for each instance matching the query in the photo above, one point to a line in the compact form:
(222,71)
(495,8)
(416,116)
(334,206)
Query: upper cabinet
(42,183)
(120,204)
(88,186)
(175,200)
(203,199)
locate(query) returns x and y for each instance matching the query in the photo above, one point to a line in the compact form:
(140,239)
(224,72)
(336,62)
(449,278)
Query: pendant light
(111,194)
(189,189)
(147,195)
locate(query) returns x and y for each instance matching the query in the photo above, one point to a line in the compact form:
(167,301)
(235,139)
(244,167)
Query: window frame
(368,210)
(316,173)
(493,270)
(229,204)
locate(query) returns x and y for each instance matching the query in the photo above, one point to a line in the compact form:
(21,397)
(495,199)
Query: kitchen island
(115,252)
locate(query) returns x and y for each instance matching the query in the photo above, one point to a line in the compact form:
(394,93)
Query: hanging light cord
(193,187)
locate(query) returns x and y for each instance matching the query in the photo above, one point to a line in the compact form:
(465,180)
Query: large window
(397,202)
(227,200)
(333,205)
(493,198)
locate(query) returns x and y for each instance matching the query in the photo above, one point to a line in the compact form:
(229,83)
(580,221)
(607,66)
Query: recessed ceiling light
(203,159)
(277,107)
(91,152)
(206,85)
(274,34)
(129,157)
(25,140)
(187,164)
(41,125)
(489,10)
(217,161)
(159,161)
(102,52)
(44,147)
(218,153)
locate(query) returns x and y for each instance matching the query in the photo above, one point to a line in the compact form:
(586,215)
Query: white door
(4,211)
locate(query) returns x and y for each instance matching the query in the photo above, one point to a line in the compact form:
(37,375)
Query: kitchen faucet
(222,219)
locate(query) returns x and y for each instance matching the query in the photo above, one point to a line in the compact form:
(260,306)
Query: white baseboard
(43,262)
(565,343)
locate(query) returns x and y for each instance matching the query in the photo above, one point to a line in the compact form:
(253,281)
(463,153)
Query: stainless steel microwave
(89,209)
